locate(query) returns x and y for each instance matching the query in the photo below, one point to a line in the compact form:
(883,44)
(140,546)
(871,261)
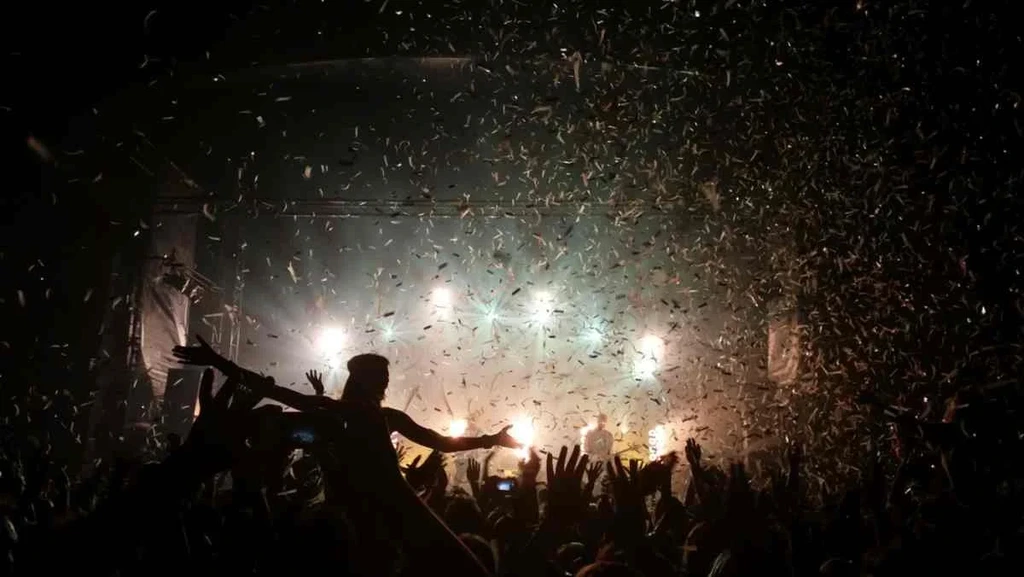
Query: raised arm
(294,399)
(402,424)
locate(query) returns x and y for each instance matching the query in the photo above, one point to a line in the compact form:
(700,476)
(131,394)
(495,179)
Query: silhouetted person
(366,385)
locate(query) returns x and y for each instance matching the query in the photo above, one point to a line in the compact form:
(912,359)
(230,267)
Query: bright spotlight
(389,334)
(442,297)
(652,346)
(657,440)
(331,341)
(645,367)
(594,336)
(457,427)
(522,431)
(651,350)
(542,306)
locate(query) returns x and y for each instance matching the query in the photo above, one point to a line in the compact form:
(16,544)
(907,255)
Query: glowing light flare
(330,341)
(457,427)
(593,336)
(650,351)
(442,297)
(644,368)
(542,306)
(657,441)
(652,346)
(523,432)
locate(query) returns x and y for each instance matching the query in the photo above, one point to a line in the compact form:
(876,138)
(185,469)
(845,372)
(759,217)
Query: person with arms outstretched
(367,382)
(360,463)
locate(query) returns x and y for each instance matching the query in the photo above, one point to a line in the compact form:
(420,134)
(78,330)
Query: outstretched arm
(204,355)
(294,399)
(402,424)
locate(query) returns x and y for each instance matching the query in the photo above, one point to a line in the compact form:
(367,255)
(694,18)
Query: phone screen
(303,436)
(505,485)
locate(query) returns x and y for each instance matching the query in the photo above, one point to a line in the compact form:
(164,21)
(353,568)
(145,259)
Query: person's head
(602,421)
(462,515)
(367,379)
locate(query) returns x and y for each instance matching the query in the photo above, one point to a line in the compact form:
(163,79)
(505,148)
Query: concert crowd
(312,483)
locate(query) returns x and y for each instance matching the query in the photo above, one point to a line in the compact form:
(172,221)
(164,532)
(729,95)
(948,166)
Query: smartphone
(303,436)
(506,485)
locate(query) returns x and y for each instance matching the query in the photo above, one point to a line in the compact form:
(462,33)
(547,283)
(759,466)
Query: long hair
(367,379)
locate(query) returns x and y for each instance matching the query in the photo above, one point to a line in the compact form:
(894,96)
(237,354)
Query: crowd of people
(255,489)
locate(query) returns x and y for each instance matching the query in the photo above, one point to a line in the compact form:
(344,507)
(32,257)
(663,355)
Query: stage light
(389,334)
(542,306)
(457,427)
(492,315)
(593,336)
(442,297)
(650,351)
(657,440)
(522,431)
(331,341)
(645,368)
(652,346)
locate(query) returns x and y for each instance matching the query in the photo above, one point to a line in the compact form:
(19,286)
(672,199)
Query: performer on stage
(598,442)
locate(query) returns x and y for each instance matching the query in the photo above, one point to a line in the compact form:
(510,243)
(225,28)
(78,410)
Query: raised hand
(473,471)
(530,468)
(626,482)
(693,453)
(503,439)
(627,489)
(565,492)
(486,472)
(201,354)
(219,433)
(594,471)
(657,475)
(317,380)
(401,451)
(425,475)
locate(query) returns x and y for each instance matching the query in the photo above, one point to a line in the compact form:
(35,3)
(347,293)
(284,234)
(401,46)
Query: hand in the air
(473,470)
(317,380)
(503,439)
(425,475)
(693,453)
(594,471)
(219,433)
(201,354)
(530,468)
(566,497)
(401,451)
